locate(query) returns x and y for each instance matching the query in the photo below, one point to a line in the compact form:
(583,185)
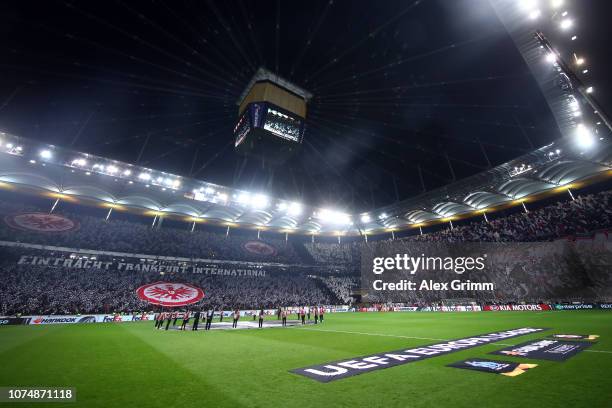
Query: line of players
(207,317)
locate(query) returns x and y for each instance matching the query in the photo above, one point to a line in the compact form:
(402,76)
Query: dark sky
(397,87)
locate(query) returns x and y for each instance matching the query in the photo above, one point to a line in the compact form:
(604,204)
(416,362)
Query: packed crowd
(33,289)
(580,216)
(519,274)
(341,286)
(333,254)
(138,237)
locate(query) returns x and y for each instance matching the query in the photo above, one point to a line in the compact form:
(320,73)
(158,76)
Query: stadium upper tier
(68,174)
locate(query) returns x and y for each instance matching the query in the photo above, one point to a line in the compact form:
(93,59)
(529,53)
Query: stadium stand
(135,237)
(47,289)
(37,289)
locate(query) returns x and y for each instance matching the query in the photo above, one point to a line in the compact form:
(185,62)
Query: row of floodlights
(114,170)
(256,201)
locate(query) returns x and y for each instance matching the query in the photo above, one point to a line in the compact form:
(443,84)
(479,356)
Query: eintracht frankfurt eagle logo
(40,222)
(259,248)
(170,294)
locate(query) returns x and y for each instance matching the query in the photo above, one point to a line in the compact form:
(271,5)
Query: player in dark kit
(196,320)
(185,320)
(316,313)
(302,315)
(261,318)
(236,316)
(168,320)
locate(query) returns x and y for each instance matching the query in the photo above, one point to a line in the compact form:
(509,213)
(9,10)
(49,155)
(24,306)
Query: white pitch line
(417,338)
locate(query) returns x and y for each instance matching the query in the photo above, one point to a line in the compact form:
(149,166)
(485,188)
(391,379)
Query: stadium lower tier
(43,282)
(60,281)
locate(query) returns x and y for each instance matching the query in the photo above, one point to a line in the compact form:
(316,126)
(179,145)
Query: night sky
(397,86)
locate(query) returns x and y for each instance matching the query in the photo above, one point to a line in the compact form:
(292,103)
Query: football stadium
(333,203)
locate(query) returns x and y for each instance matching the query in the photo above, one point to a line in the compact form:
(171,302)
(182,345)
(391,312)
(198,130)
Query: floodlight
(295,209)
(584,137)
(46,154)
(535,14)
(566,23)
(244,198)
(260,201)
(334,217)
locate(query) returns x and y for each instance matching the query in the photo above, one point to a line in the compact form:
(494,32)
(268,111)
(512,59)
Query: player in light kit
(209,318)
(284,316)
(321,312)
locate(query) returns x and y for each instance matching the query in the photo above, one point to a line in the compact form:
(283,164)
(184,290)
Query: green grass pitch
(133,365)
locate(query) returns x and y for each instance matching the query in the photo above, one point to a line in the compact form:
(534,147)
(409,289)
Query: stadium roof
(67,173)
(263,74)
(421,110)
